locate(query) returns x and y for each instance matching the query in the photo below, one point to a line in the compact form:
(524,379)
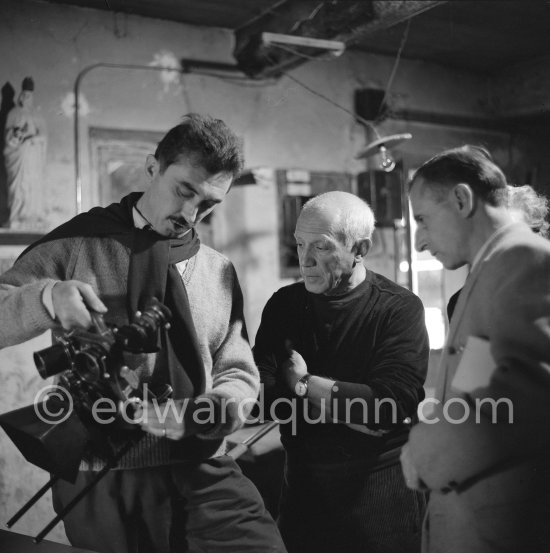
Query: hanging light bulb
(387,163)
(380,147)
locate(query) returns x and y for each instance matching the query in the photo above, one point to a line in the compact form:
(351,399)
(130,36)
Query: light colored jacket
(489,478)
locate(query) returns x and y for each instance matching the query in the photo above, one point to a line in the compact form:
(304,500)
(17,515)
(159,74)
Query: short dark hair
(472,165)
(209,141)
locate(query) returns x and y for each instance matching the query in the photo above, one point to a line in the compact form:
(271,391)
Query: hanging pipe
(187,66)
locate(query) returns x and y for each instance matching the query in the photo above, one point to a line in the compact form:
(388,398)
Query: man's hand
(412,479)
(72,302)
(293,368)
(164,420)
(175,419)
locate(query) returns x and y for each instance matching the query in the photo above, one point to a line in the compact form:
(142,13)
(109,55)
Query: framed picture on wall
(118,161)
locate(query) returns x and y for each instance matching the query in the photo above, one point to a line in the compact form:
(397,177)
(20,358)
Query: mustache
(182,222)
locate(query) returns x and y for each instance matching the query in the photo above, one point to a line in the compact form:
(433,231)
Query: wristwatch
(301,387)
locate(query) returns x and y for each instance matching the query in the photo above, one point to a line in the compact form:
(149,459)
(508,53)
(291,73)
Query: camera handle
(111,464)
(99,323)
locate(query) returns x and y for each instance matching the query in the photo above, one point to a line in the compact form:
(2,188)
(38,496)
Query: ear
(151,166)
(462,197)
(361,249)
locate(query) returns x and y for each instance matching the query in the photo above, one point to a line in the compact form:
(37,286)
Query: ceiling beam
(521,90)
(390,13)
(304,18)
(339,20)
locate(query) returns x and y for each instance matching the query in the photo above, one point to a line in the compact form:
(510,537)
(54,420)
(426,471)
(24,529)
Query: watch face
(300,389)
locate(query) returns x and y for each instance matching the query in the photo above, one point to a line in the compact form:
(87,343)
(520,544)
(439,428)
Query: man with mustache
(344,354)
(175,489)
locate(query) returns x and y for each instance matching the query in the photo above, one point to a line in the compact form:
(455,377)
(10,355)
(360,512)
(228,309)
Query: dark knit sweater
(372,341)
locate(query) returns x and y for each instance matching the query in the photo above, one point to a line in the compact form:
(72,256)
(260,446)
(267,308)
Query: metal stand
(40,536)
(111,464)
(32,501)
(243,447)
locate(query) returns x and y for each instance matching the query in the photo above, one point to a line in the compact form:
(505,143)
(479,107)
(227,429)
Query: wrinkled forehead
(318,221)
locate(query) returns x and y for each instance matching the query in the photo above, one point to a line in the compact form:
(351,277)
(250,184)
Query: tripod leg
(40,536)
(32,501)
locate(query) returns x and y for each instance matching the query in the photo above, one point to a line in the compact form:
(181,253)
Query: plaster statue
(24,154)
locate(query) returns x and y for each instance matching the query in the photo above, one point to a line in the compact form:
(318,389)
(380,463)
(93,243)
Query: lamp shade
(386,142)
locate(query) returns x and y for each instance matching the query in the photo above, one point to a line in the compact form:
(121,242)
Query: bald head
(332,237)
(349,217)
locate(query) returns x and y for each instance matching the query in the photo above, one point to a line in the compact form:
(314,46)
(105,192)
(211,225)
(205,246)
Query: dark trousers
(207,506)
(349,508)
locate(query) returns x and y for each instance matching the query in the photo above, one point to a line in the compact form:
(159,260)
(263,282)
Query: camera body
(56,433)
(90,365)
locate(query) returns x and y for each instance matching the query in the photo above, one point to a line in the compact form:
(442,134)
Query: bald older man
(343,357)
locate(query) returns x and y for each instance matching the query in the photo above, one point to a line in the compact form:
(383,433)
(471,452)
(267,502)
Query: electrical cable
(314,12)
(355,116)
(335,104)
(269,10)
(394,69)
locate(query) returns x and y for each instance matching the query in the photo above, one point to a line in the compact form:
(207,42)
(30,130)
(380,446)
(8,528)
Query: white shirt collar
(139,220)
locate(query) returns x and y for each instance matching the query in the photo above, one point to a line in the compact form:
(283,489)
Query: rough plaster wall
(252,244)
(19,480)
(283,126)
(53,43)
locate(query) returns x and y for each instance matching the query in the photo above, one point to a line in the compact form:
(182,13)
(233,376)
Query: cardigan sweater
(216,306)
(372,341)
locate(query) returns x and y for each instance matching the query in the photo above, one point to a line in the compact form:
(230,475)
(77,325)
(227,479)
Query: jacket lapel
(451,347)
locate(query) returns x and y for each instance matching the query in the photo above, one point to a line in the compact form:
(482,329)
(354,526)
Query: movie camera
(91,364)
(90,367)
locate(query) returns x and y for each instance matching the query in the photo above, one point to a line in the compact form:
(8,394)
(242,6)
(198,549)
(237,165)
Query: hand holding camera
(72,303)
(88,361)
(88,356)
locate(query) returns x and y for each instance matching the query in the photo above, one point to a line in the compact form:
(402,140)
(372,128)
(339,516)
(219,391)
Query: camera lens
(53,360)
(141,335)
